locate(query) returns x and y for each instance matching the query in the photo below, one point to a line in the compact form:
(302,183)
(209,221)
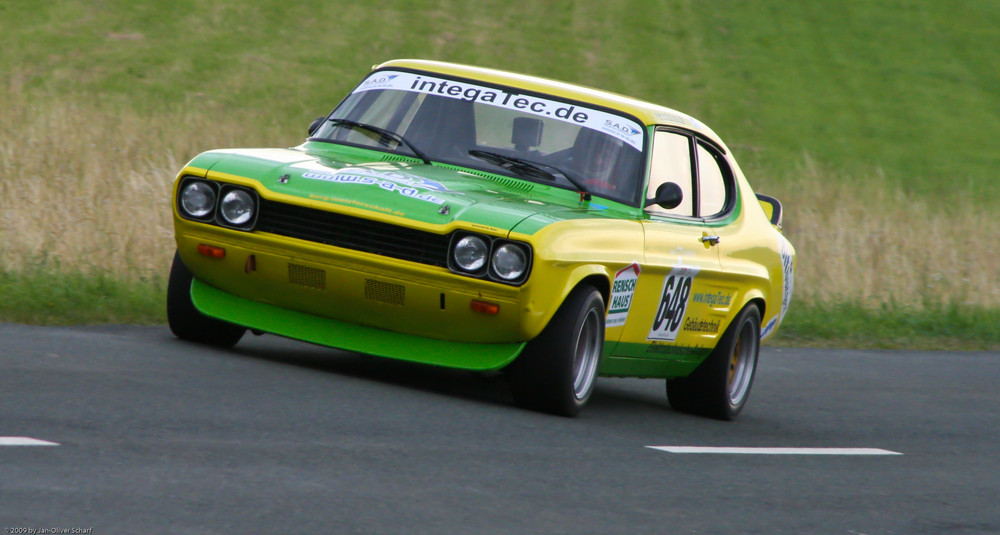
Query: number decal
(673,303)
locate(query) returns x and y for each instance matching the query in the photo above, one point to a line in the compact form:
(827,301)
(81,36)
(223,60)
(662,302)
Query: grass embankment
(867,120)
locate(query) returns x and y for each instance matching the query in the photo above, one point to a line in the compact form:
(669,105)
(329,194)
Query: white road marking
(24,441)
(776,451)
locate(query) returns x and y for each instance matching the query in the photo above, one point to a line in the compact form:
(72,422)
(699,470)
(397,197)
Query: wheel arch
(758,301)
(600,282)
(595,275)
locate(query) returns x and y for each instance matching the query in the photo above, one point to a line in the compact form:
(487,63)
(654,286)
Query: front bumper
(353,287)
(351,336)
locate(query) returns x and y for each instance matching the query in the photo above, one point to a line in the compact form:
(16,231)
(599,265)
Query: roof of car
(650,114)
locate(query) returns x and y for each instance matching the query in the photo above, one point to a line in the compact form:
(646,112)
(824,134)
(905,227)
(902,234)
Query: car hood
(434,194)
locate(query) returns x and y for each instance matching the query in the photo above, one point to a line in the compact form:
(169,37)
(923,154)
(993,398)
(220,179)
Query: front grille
(353,233)
(385,292)
(307,276)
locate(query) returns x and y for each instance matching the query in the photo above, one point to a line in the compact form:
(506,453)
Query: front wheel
(557,371)
(186,322)
(720,386)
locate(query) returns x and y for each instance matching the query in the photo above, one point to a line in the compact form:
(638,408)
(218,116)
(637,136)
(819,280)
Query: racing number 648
(673,303)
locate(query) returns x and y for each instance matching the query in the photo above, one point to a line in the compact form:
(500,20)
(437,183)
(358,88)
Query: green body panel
(349,336)
(400,186)
(681,363)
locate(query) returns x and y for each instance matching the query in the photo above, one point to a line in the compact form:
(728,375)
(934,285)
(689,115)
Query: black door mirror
(316,124)
(668,195)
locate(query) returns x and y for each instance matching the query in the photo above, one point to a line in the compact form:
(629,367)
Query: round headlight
(198,199)
(471,252)
(236,207)
(509,261)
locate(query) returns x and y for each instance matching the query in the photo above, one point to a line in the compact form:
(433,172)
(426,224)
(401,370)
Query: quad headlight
(471,253)
(485,257)
(197,199)
(237,207)
(510,261)
(208,201)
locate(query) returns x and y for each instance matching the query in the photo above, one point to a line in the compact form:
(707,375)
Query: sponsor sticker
(787,286)
(622,292)
(713,299)
(701,325)
(788,269)
(769,328)
(673,303)
(405,185)
(378,81)
(620,127)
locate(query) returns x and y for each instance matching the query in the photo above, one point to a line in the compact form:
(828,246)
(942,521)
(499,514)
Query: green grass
(33,297)
(887,95)
(936,326)
(51,297)
(907,87)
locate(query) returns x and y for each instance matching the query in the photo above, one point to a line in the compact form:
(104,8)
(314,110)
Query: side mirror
(668,195)
(316,124)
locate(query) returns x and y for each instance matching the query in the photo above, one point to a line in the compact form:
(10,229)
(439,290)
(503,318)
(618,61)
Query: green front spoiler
(349,336)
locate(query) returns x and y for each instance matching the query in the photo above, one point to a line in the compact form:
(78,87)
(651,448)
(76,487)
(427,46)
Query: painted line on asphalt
(775,451)
(25,441)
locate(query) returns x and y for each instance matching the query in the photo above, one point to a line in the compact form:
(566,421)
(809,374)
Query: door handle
(710,240)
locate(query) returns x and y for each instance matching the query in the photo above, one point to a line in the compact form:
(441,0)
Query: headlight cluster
(212,202)
(485,257)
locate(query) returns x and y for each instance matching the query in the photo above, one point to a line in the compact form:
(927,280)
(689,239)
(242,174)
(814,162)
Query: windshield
(584,148)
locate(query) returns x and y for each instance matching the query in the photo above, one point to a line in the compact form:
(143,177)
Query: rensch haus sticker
(622,292)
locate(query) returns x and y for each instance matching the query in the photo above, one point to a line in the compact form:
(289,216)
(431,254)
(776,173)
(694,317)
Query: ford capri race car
(484,220)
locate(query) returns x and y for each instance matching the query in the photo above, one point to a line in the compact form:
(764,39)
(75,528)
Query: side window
(671,162)
(711,184)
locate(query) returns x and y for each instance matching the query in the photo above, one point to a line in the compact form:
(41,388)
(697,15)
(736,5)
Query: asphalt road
(155,435)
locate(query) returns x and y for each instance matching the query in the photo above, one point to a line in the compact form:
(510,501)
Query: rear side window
(711,182)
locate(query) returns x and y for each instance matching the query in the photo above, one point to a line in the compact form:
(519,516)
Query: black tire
(186,322)
(557,370)
(720,386)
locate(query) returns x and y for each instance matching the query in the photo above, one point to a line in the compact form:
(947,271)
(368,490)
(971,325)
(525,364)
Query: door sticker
(673,303)
(788,269)
(622,291)
(787,286)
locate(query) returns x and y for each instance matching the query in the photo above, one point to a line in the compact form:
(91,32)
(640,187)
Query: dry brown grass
(859,239)
(85,186)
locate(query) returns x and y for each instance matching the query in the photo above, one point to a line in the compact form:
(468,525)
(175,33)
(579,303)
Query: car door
(681,267)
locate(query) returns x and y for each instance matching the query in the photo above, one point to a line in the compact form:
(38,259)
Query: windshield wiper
(384,133)
(528,168)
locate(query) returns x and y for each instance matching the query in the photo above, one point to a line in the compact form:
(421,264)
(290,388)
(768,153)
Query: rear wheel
(186,322)
(719,388)
(557,371)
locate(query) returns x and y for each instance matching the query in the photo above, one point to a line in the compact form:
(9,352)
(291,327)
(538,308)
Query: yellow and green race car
(484,220)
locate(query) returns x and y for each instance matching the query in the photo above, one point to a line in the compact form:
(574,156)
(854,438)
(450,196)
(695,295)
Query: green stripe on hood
(387,184)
